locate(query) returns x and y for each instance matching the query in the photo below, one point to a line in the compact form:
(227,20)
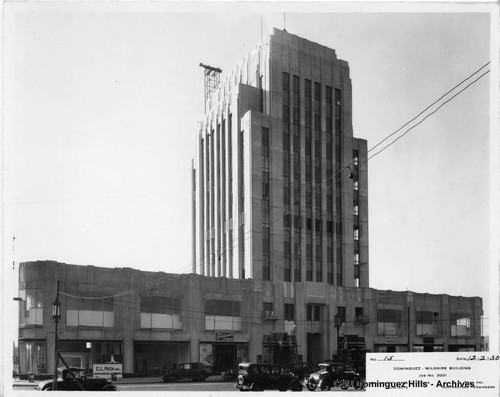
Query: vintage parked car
(67,380)
(301,371)
(258,377)
(333,374)
(193,371)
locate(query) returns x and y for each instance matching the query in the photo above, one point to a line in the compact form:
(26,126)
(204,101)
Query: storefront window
(32,357)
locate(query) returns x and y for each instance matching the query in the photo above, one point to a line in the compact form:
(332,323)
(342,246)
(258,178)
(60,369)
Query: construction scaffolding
(212,80)
(280,348)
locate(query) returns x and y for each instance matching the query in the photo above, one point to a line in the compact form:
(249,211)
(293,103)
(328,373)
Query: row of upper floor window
(312,91)
(165,312)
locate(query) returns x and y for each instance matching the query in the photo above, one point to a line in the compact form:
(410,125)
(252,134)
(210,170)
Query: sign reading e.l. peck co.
(220,335)
(107,370)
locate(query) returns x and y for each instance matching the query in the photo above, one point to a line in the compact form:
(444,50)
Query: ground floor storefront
(151,357)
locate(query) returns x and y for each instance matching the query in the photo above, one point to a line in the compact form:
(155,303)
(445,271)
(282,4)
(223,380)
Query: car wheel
(109,388)
(344,385)
(325,385)
(310,387)
(257,386)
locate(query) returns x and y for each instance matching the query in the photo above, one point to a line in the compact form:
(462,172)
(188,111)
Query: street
(154,385)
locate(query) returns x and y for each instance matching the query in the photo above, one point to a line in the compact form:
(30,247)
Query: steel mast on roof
(212,80)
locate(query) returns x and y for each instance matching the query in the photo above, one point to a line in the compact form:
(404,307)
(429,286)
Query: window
(297,222)
(89,312)
(266,267)
(286,97)
(329,227)
(388,321)
(313,312)
(341,311)
(319,271)
(268,306)
(160,312)
(297,273)
(286,163)
(286,195)
(32,300)
(285,81)
(460,324)
(318,225)
(296,116)
(286,140)
(265,184)
(286,248)
(265,136)
(287,274)
(427,323)
(265,239)
(355,157)
(222,314)
(317,91)
(309,270)
(309,250)
(222,307)
(338,97)
(289,312)
(296,84)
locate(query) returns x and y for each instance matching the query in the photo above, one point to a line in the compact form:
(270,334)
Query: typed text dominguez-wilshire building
(280,244)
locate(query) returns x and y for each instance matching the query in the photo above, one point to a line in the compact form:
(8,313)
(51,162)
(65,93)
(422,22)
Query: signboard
(107,370)
(446,373)
(224,336)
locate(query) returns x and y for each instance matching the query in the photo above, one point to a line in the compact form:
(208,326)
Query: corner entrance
(314,350)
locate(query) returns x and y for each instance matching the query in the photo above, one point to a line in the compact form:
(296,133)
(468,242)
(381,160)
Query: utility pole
(56,315)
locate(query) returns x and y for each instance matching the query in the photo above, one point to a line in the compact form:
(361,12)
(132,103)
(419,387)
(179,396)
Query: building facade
(147,320)
(280,183)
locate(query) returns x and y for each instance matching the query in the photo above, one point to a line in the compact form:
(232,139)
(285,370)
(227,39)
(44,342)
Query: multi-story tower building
(280,183)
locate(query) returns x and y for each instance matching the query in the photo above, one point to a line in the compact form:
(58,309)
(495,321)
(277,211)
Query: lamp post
(56,315)
(338,323)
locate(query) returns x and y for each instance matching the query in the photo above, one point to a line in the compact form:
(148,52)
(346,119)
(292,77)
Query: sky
(101,104)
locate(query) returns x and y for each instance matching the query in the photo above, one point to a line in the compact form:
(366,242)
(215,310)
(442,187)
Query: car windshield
(325,367)
(243,367)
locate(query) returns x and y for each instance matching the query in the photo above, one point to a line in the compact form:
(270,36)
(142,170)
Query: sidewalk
(21,382)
